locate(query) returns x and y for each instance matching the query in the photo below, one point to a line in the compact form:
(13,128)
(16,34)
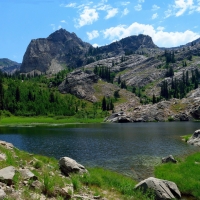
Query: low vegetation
(186,174)
(98,182)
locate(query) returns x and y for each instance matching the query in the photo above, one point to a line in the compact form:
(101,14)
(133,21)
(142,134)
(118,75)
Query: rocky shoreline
(27,176)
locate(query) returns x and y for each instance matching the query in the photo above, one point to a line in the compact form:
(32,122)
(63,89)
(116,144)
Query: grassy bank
(98,182)
(186,174)
(18,120)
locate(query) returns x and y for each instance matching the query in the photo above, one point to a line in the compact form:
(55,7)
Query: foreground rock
(118,118)
(80,84)
(68,165)
(7,174)
(7,145)
(169,158)
(195,138)
(2,194)
(162,189)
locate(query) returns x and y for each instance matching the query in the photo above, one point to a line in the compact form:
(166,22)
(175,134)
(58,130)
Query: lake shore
(46,121)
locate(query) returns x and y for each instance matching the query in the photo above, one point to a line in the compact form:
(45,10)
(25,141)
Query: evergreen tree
(104,106)
(1,94)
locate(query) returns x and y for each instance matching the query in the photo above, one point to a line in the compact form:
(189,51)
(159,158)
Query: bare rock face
(68,165)
(52,54)
(80,84)
(162,189)
(195,138)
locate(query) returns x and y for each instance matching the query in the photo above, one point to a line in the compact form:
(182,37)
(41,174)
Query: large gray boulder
(68,165)
(7,174)
(162,189)
(195,138)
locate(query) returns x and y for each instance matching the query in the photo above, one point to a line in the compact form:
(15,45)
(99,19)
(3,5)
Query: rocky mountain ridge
(9,66)
(63,49)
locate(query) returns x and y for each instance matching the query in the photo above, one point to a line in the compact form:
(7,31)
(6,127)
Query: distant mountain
(61,49)
(9,66)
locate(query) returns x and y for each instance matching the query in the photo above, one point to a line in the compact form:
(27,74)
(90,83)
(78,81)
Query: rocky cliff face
(61,49)
(52,54)
(80,84)
(9,66)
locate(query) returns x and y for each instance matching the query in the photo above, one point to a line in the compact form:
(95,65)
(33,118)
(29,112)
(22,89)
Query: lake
(132,149)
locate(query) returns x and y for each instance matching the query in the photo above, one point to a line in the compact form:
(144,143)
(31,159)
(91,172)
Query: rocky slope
(9,66)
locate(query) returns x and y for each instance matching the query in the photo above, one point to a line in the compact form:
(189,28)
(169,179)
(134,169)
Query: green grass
(186,174)
(17,120)
(185,138)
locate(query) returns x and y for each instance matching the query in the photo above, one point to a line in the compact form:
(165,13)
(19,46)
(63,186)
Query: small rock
(36,184)
(2,156)
(169,158)
(27,174)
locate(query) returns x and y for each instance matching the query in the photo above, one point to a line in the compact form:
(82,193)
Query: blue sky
(99,22)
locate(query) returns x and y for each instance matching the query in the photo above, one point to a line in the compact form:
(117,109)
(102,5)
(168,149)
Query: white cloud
(70,5)
(59,27)
(63,21)
(160,37)
(160,28)
(182,6)
(93,34)
(125,3)
(87,17)
(95,45)
(154,16)
(111,13)
(103,7)
(155,7)
(125,12)
(141,1)
(138,7)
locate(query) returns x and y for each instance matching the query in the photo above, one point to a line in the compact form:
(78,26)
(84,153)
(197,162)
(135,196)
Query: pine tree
(104,107)
(1,94)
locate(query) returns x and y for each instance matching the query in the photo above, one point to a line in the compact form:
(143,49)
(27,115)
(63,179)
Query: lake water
(132,149)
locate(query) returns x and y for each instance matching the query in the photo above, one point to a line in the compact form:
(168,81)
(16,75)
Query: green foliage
(187,169)
(179,88)
(107,104)
(105,73)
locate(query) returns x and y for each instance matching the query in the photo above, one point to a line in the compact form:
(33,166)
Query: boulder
(7,174)
(169,158)
(118,118)
(68,165)
(27,174)
(162,189)
(195,138)
(7,145)
(2,194)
